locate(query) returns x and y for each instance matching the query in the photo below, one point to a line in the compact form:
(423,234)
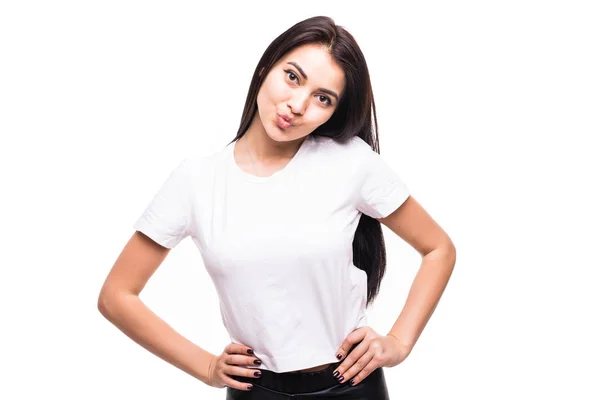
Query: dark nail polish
(340,379)
(352,382)
(257,373)
(250,387)
(336,373)
(257,362)
(250,351)
(339,356)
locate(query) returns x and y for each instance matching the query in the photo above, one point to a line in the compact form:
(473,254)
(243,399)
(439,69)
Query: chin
(283,137)
(279,135)
(275,135)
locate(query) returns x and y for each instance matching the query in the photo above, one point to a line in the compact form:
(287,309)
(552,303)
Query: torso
(245,202)
(267,170)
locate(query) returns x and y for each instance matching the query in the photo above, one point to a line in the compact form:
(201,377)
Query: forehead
(318,65)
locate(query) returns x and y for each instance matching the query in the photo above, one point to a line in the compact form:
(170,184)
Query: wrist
(405,344)
(204,366)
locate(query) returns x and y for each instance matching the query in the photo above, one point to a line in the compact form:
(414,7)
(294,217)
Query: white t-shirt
(279,249)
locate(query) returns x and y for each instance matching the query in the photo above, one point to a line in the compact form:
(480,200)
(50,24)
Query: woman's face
(305,85)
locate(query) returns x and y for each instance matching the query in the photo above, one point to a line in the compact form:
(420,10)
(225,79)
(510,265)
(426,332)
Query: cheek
(317,116)
(264,98)
(275,88)
(260,101)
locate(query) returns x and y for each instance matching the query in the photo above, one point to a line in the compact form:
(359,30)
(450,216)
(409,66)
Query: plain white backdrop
(489,111)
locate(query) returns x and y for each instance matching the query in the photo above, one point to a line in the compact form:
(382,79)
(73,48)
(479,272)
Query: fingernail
(339,356)
(257,373)
(352,382)
(250,351)
(336,373)
(257,362)
(250,387)
(341,378)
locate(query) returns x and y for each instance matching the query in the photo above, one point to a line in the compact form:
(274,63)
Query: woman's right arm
(119,302)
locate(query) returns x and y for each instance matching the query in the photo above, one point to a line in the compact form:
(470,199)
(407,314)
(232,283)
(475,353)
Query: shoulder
(352,147)
(198,163)
(341,160)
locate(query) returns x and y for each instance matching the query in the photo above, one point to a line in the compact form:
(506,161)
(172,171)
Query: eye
(294,76)
(328,102)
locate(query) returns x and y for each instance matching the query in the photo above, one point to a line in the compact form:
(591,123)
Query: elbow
(451,252)
(103,304)
(106,301)
(447,251)
(111,299)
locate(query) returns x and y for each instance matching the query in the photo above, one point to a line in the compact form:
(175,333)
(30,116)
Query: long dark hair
(352,117)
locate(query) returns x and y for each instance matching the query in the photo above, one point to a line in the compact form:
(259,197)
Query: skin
(286,91)
(271,148)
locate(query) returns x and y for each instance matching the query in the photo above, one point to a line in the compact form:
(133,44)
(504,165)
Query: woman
(287,218)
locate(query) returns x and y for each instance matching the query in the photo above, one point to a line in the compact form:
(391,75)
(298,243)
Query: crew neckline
(264,179)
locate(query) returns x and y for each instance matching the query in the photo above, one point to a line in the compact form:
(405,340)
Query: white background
(488,110)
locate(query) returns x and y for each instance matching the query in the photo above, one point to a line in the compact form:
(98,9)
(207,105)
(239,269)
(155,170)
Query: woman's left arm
(415,226)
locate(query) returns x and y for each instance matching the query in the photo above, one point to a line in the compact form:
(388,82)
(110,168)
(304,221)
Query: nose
(297,102)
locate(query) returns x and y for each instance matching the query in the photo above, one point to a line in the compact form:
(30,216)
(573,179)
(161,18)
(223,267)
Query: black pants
(310,385)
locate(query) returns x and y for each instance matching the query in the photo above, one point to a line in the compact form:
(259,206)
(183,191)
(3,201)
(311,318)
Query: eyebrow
(331,92)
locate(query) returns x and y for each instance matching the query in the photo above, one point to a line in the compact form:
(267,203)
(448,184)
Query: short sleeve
(380,189)
(166,219)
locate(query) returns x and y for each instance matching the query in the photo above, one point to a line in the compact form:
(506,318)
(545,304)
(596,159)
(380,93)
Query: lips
(282,123)
(286,118)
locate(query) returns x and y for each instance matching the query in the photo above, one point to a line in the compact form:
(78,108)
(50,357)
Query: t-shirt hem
(295,362)
(148,229)
(398,198)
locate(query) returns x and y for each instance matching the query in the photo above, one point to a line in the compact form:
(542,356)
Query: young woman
(287,218)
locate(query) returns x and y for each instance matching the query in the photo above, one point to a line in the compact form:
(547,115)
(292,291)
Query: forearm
(128,313)
(424,295)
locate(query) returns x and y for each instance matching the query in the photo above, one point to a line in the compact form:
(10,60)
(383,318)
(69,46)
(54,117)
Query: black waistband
(296,382)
